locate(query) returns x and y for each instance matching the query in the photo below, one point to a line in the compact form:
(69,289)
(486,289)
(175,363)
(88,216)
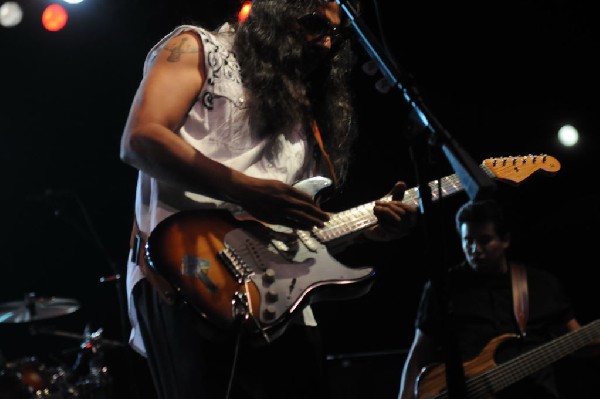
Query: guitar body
(431,382)
(227,267)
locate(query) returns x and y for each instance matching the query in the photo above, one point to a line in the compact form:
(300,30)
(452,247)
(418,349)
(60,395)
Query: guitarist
(230,118)
(480,293)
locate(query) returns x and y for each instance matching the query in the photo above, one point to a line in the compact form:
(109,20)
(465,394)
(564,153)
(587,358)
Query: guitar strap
(138,243)
(520,295)
(317,133)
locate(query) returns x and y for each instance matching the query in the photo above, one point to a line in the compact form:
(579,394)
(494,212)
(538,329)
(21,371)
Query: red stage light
(244,11)
(54,17)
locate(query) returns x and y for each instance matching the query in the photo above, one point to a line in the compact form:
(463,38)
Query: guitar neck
(515,369)
(353,220)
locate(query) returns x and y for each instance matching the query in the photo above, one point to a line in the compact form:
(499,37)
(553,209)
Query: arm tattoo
(179,49)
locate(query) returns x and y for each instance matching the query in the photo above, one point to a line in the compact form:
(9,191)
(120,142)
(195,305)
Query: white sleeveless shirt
(217,125)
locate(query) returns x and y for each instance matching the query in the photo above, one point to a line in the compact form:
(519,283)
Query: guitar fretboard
(355,219)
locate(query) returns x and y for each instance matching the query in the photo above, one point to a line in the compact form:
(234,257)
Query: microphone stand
(475,182)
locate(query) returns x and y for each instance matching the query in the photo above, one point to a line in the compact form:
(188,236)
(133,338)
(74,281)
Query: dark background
(500,79)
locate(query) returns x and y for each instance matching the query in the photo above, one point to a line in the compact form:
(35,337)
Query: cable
(236,350)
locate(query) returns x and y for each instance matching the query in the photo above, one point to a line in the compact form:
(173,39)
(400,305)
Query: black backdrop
(500,78)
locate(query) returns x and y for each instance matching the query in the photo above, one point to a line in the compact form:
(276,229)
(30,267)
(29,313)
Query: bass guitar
(231,268)
(485,378)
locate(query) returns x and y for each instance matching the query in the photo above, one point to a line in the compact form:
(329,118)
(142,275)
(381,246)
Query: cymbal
(36,308)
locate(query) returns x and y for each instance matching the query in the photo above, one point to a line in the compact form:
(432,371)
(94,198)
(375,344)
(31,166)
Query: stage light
(244,11)
(11,14)
(568,135)
(73,1)
(54,17)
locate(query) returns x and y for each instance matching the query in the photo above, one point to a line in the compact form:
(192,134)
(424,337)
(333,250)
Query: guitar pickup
(280,245)
(284,243)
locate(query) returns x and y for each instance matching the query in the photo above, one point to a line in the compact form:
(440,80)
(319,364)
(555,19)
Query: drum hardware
(110,279)
(88,337)
(30,378)
(89,376)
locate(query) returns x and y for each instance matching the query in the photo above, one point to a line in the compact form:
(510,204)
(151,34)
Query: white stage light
(11,14)
(568,135)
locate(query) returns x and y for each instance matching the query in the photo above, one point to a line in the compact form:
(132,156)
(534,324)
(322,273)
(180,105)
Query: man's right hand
(275,202)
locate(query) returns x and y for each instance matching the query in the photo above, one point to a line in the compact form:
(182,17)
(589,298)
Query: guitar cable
(236,351)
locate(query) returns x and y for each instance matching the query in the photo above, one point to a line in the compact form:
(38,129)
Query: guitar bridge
(236,266)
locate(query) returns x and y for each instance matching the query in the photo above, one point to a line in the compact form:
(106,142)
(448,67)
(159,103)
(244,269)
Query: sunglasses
(317,25)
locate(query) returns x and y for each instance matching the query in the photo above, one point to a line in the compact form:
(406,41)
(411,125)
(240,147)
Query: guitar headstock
(515,169)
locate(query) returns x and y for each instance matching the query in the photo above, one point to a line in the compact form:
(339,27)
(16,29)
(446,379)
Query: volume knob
(271,295)
(270,312)
(269,276)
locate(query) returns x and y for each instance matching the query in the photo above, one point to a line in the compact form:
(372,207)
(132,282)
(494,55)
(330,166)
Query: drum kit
(29,377)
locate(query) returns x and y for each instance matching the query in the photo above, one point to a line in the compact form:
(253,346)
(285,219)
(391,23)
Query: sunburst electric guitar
(231,268)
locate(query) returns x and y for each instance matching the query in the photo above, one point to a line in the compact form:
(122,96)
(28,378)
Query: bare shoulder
(185,45)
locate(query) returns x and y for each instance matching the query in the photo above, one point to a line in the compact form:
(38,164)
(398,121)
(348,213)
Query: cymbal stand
(89,371)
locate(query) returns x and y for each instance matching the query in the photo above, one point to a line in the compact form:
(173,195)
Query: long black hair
(272,54)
